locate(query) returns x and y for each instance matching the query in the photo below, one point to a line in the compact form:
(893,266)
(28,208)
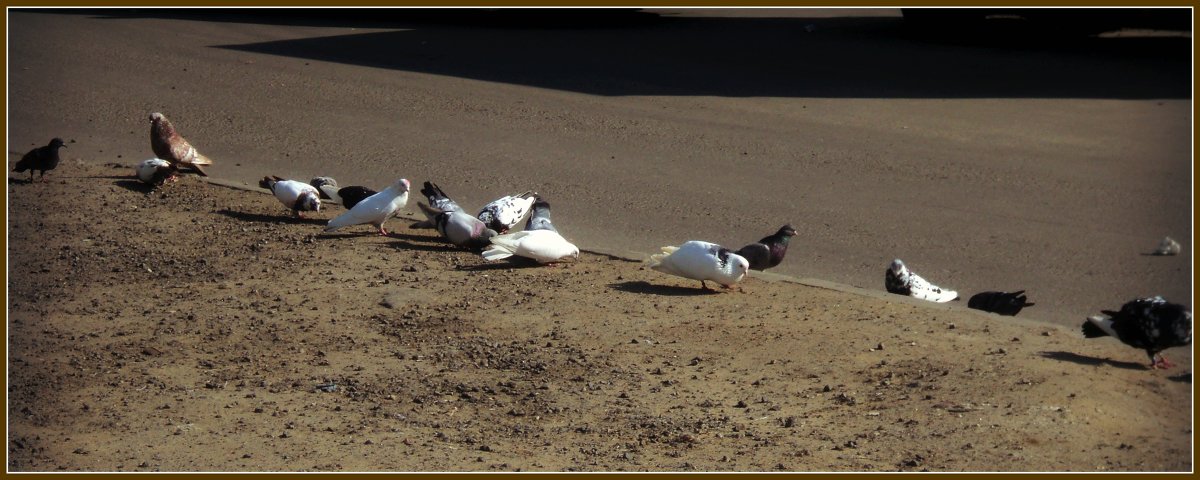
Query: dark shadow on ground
(1182,377)
(1086,360)
(134,185)
(664,290)
(263,218)
(630,52)
(425,247)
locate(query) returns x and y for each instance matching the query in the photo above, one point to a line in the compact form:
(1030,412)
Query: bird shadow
(402,244)
(509,263)
(262,218)
(1156,254)
(664,290)
(134,185)
(417,238)
(19,181)
(1086,360)
(1183,377)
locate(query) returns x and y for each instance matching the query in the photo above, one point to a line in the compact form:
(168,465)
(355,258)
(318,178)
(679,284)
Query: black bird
(41,159)
(353,194)
(539,217)
(769,251)
(1002,303)
(1153,324)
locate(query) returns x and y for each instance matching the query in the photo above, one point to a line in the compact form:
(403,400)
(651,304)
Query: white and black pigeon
(298,196)
(769,251)
(506,212)
(350,196)
(1003,303)
(328,188)
(539,216)
(375,209)
(543,246)
(459,227)
(703,261)
(41,159)
(155,171)
(168,145)
(900,280)
(1151,323)
(1168,246)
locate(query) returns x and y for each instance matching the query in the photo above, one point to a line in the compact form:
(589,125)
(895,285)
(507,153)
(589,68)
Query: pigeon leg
(382,231)
(1163,362)
(705,286)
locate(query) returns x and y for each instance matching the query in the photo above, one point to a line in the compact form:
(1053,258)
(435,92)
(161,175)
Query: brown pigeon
(172,147)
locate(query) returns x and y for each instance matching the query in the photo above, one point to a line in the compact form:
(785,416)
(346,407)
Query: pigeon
(350,196)
(999,302)
(506,212)
(1168,246)
(375,209)
(327,187)
(459,227)
(769,251)
(298,196)
(544,246)
(539,216)
(901,281)
(155,171)
(440,203)
(1151,323)
(40,159)
(170,146)
(700,260)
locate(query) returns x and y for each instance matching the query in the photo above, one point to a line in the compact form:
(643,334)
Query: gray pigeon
(439,201)
(459,228)
(40,159)
(539,217)
(327,187)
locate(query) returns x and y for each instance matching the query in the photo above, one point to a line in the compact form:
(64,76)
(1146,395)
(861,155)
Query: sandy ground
(187,329)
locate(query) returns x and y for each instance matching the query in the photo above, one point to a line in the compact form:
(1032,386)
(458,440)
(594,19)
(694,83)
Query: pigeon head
(160,126)
(736,267)
(308,201)
(786,231)
(897,267)
(402,185)
(57,142)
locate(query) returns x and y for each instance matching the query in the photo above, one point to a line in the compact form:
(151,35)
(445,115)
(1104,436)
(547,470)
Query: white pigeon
(458,227)
(700,260)
(900,280)
(155,171)
(506,212)
(375,209)
(298,196)
(544,246)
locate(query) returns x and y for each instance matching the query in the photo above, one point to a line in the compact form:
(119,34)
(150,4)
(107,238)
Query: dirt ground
(189,329)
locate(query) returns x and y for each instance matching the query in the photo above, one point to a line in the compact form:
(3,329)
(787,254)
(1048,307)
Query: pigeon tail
(1099,326)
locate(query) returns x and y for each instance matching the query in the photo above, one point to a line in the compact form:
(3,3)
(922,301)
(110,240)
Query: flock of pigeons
(1152,324)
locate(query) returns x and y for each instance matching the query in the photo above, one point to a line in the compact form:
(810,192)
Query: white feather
(288,191)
